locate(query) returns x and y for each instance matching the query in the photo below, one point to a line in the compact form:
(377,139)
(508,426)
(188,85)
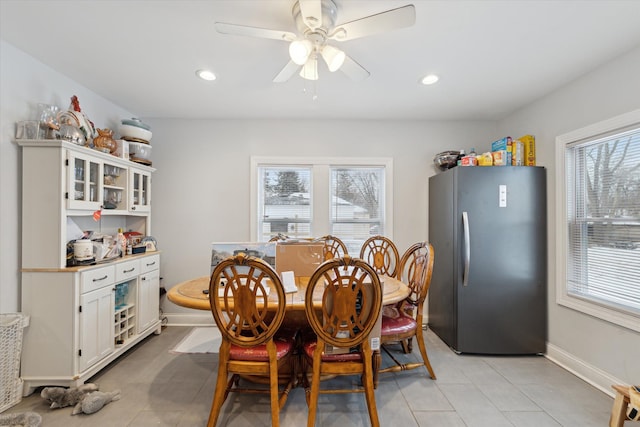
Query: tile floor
(164,389)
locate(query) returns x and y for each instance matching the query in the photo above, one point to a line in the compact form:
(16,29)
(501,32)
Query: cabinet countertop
(80,268)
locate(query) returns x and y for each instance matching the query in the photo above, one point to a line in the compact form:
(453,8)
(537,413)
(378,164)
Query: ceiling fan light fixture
(206,75)
(334,57)
(310,69)
(299,51)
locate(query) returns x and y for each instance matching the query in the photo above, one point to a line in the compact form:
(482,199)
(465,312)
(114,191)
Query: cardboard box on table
(300,257)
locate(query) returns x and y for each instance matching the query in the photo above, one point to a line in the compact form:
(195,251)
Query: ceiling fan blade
(353,70)
(264,33)
(287,72)
(311,11)
(384,21)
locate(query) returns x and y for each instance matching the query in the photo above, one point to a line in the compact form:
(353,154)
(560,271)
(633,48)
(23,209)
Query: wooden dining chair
(333,247)
(351,298)
(400,324)
(278,238)
(382,254)
(248,304)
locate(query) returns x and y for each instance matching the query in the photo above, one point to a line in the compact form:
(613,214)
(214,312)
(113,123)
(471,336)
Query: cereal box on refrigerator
(504,144)
(529,142)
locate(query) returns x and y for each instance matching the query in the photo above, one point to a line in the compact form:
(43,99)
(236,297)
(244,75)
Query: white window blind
(357,204)
(603,219)
(285,202)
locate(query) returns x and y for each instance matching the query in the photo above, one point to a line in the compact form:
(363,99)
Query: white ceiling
(493,57)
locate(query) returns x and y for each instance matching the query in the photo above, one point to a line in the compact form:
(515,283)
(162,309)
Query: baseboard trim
(187,319)
(589,373)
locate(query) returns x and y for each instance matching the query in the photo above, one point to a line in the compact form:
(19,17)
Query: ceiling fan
(315,21)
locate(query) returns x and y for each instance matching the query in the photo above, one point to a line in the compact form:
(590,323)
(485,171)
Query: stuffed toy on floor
(95,401)
(61,397)
(86,399)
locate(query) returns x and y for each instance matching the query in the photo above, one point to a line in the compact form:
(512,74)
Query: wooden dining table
(193,293)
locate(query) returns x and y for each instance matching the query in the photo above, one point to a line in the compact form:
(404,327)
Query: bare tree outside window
(613,180)
(360,187)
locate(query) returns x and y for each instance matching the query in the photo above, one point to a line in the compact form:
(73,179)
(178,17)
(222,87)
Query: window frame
(564,142)
(321,187)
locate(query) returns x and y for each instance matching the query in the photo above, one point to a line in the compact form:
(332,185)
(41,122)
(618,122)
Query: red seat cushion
(284,345)
(401,324)
(310,346)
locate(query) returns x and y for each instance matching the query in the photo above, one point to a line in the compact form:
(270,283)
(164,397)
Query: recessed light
(429,79)
(206,75)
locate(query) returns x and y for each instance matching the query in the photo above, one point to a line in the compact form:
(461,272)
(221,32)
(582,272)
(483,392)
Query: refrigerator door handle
(467,248)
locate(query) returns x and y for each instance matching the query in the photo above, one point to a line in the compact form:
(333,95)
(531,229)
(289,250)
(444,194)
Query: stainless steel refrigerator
(488,228)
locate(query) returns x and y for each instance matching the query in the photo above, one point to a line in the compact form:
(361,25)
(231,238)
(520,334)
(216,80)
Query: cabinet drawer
(149,264)
(96,279)
(127,270)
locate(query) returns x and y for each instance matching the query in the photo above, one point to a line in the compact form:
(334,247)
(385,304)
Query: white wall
(598,350)
(25,82)
(201,187)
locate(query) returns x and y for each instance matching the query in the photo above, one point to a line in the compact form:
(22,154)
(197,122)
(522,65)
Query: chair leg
(315,384)
(406,347)
(284,394)
(370,392)
(219,395)
(377,363)
(619,410)
(274,384)
(423,352)
(275,404)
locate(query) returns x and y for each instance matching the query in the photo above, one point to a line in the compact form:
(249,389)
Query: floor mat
(199,340)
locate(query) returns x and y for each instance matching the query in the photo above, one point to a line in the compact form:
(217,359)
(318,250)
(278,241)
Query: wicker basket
(11,325)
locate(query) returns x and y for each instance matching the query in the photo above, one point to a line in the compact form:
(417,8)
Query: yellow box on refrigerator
(529,142)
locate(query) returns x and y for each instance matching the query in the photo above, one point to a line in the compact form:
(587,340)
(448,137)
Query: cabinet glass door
(85,182)
(140,189)
(114,186)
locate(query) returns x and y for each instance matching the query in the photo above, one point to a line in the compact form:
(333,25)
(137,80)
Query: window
(348,198)
(284,203)
(599,220)
(357,204)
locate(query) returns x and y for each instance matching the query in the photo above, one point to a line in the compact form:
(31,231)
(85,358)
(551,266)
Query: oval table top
(190,293)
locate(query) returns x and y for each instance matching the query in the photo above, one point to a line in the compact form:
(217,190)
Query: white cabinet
(140,190)
(64,182)
(84,182)
(114,186)
(82,318)
(96,335)
(94,315)
(148,293)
